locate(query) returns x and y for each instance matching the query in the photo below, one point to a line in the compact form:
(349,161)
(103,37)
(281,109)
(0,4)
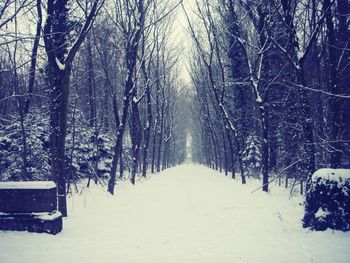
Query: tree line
(89,89)
(93,89)
(271,83)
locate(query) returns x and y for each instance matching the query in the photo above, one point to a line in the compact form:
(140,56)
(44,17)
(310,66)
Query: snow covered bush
(86,157)
(106,149)
(252,156)
(11,150)
(328,200)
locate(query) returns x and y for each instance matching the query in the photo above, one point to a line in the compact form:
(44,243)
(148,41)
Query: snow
(258,99)
(28,185)
(185,214)
(59,64)
(321,213)
(42,215)
(48,216)
(339,175)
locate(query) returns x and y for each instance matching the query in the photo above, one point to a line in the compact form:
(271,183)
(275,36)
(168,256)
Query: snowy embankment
(186,214)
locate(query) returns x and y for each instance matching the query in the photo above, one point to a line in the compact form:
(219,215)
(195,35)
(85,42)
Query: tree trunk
(308,131)
(265,155)
(33,59)
(120,135)
(59,93)
(136,134)
(91,83)
(225,152)
(334,116)
(159,152)
(131,57)
(56,30)
(154,148)
(147,133)
(149,119)
(305,113)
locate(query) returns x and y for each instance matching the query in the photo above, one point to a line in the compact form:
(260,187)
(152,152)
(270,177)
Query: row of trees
(92,88)
(271,85)
(92,92)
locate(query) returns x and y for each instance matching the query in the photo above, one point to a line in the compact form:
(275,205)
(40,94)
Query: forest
(108,90)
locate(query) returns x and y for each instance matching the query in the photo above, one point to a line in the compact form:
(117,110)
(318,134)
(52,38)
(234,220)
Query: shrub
(11,150)
(251,156)
(86,160)
(328,200)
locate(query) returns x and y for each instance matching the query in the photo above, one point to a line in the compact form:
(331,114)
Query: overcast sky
(182,38)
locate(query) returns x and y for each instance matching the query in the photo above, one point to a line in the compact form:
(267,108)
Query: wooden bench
(29,206)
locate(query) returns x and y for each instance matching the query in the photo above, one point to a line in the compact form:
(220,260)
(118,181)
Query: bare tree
(131,21)
(61,53)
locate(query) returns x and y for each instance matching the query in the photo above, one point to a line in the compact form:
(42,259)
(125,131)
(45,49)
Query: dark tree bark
(91,83)
(147,129)
(305,112)
(149,116)
(336,46)
(160,133)
(31,82)
(20,105)
(60,58)
(136,134)
(131,51)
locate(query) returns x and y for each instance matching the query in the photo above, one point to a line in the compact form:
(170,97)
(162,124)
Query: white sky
(182,38)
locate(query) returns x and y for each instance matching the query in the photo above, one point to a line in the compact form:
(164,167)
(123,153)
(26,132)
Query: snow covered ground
(186,214)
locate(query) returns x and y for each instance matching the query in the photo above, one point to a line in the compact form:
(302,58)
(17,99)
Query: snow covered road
(186,214)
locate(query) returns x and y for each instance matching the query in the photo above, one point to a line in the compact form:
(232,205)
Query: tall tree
(61,51)
(132,21)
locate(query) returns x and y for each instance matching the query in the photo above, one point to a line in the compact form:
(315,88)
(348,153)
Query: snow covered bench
(328,200)
(29,206)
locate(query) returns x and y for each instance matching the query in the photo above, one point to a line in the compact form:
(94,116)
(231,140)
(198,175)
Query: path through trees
(111,89)
(189,213)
